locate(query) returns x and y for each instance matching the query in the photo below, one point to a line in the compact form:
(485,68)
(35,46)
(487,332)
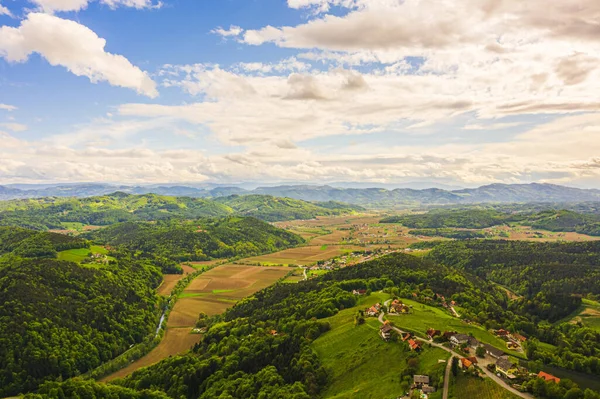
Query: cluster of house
(421,382)
(374,310)
(398,307)
(513,340)
(503,365)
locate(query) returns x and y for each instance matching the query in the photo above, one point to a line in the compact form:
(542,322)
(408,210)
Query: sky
(459,92)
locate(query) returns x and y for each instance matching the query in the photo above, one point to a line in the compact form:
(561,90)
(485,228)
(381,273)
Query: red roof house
(548,377)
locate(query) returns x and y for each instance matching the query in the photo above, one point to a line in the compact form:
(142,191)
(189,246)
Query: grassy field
(361,364)
(423,317)
(78,255)
(471,387)
(588,315)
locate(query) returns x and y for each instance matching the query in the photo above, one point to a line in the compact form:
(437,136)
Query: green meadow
(78,255)
(361,365)
(463,386)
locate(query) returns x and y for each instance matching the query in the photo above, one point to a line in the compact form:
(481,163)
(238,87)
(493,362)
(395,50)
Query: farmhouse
(359,292)
(504,366)
(461,339)
(386,331)
(502,333)
(466,363)
(414,345)
(406,336)
(493,352)
(548,377)
(419,380)
(519,337)
(433,333)
(372,311)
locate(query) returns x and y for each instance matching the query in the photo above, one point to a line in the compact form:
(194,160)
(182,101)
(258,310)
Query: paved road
(447,378)
(493,376)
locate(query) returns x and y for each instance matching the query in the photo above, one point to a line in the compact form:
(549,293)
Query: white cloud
(233,31)
(51,6)
(7,107)
(5,11)
(75,47)
(15,127)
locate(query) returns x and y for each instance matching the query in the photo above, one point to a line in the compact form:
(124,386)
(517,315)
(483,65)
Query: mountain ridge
(373,197)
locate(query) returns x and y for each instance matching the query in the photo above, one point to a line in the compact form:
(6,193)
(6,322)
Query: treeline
(198,240)
(59,320)
(34,244)
(448,233)
(52,213)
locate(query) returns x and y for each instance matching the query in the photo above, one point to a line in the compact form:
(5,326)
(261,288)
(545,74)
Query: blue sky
(311,91)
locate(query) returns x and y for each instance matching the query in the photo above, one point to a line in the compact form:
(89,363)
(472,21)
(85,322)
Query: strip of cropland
(211,293)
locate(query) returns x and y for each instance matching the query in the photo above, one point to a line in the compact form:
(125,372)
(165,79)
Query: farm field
(463,386)
(519,232)
(212,293)
(423,317)
(302,255)
(170,280)
(361,364)
(176,340)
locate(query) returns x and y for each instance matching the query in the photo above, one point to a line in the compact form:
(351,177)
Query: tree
(454,366)
(480,351)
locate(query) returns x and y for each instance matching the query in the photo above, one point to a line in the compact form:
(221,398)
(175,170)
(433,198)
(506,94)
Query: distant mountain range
(370,197)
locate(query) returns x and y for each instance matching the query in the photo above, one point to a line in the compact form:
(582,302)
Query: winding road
(493,376)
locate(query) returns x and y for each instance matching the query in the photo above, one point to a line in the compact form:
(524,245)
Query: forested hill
(35,244)
(198,240)
(552,220)
(272,209)
(55,213)
(59,319)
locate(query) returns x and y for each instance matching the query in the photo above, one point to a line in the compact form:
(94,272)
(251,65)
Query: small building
(504,366)
(427,389)
(448,334)
(359,292)
(414,345)
(473,359)
(372,311)
(519,337)
(406,336)
(493,352)
(386,331)
(419,380)
(460,339)
(273,332)
(548,377)
(465,363)
(502,333)
(433,333)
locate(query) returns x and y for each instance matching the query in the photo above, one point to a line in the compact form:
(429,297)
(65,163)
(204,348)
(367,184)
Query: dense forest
(59,319)
(53,213)
(199,240)
(35,244)
(439,219)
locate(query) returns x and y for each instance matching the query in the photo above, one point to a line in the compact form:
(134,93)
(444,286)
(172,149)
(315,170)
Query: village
(470,355)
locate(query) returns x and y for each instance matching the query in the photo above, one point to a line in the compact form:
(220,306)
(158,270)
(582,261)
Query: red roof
(548,377)
(473,359)
(414,344)
(466,362)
